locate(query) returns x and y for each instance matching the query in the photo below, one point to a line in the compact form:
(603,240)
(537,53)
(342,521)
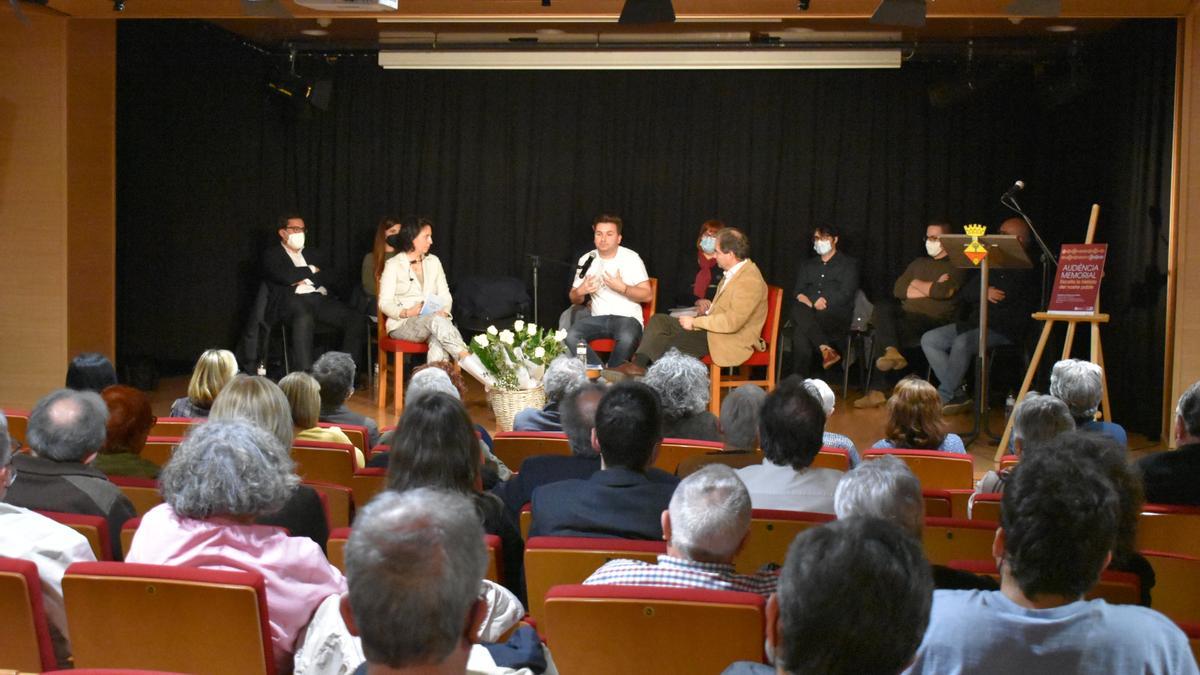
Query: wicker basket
(506,404)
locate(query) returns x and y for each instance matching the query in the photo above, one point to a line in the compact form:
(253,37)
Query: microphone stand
(1010,202)
(535,261)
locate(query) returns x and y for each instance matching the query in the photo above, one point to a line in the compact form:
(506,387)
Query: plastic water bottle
(261,370)
(375,377)
(1009,404)
(581,353)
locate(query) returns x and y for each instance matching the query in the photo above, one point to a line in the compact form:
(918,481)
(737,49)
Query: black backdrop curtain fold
(514,163)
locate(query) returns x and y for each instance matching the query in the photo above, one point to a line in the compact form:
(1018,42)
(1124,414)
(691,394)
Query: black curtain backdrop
(514,163)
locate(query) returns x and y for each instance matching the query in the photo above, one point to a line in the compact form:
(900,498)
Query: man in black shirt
(1173,477)
(1012,297)
(823,302)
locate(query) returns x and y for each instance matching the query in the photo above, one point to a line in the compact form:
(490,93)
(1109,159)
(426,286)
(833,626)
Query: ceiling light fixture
(639,59)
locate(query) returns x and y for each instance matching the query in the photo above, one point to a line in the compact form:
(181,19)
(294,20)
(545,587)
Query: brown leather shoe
(892,359)
(630,369)
(873,399)
(829,357)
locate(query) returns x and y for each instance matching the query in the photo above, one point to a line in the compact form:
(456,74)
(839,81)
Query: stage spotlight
(1035,8)
(118,5)
(909,13)
(647,11)
(802,5)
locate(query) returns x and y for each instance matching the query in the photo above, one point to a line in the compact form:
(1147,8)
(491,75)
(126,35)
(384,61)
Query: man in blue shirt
(1058,526)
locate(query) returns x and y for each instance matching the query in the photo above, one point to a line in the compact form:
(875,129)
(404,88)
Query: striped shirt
(672,572)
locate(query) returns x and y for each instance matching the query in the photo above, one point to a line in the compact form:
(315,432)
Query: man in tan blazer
(731,329)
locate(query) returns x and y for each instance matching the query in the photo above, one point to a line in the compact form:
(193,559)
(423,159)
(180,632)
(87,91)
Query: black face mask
(393,240)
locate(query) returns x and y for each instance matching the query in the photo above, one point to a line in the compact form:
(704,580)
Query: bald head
(1016,227)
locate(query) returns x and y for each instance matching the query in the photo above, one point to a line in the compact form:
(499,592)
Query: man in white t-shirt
(614,279)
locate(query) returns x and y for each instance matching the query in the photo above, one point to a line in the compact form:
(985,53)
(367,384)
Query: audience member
(1080,384)
(455,373)
(415,562)
(915,420)
(26,535)
(790,431)
(334,371)
(886,488)
(1058,528)
(1174,477)
(214,369)
(820,389)
(564,375)
(262,403)
(435,446)
(1110,459)
(66,430)
(681,383)
(1037,419)
(129,423)
(620,500)
(90,371)
(739,427)
(221,478)
(705,526)
(853,599)
(304,400)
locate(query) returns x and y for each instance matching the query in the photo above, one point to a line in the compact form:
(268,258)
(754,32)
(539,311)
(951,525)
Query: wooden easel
(1072,320)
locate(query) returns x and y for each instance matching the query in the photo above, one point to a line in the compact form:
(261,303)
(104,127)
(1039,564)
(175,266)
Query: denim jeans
(626,332)
(949,353)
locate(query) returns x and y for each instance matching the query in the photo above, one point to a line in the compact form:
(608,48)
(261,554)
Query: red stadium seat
(514,447)
(1173,529)
(935,469)
(356,433)
(24,634)
(175,427)
(142,492)
(327,462)
(93,528)
(18,422)
(771,532)
(672,451)
(947,539)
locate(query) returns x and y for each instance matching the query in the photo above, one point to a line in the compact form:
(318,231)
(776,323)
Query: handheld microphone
(1016,187)
(583,267)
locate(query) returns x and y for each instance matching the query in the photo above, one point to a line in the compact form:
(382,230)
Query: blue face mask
(708,244)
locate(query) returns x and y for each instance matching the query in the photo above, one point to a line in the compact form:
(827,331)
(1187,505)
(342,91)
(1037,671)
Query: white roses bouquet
(516,359)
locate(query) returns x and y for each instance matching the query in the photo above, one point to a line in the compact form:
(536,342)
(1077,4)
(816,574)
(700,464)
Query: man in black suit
(1173,477)
(620,500)
(300,294)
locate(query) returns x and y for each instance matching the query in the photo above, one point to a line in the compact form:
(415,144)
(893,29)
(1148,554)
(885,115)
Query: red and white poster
(1077,284)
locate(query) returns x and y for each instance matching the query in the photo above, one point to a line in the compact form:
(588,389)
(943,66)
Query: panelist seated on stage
(300,295)
(614,280)
(730,331)
(1080,384)
(415,297)
(927,295)
(823,302)
(1011,297)
(696,289)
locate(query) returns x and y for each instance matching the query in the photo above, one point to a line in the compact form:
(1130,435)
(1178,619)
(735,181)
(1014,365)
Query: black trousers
(811,329)
(302,313)
(897,328)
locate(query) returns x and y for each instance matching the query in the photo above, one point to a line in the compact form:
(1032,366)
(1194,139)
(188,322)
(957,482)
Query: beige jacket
(399,289)
(735,321)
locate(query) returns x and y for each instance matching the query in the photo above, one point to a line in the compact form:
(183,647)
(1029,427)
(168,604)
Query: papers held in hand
(685,311)
(432,305)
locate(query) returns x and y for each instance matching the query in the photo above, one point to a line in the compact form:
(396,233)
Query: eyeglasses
(295,229)
(933,237)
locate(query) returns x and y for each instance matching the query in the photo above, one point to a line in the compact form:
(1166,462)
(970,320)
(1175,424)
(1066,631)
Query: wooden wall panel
(91,184)
(33,209)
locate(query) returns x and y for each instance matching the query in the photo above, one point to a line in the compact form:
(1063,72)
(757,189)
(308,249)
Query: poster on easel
(1077,284)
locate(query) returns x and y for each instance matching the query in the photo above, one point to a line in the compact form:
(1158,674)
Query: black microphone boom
(1016,187)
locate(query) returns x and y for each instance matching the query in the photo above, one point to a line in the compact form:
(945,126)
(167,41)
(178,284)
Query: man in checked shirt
(704,526)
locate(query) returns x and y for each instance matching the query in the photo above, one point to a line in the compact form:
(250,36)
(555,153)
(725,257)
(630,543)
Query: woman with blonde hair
(915,419)
(304,399)
(262,403)
(214,369)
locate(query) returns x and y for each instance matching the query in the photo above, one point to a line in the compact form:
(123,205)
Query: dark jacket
(1011,316)
(535,472)
(344,415)
(1172,477)
(699,427)
(616,502)
(280,274)
(836,281)
(303,515)
(70,487)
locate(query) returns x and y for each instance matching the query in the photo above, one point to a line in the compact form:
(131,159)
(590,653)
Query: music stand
(1004,251)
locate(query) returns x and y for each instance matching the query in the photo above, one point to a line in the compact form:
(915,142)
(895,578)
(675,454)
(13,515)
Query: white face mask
(295,241)
(822,246)
(933,248)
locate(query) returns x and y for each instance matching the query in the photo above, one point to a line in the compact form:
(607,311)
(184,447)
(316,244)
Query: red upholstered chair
(158,449)
(653,630)
(1175,591)
(128,530)
(323,461)
(766,359)
(514,447)
(400,348)
(553,561)
(938,503)
(1008,462)
(93,528)
(935,469)
(142,492)
(1173,529)
(356,433)
(171,618)
(24,634)
(946,539)
(18,422)
(606,345)
(832,458)
(338,501)
(771,532)
(176,427)
(335,548)
(672,451)
(986,506)
(366,483)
